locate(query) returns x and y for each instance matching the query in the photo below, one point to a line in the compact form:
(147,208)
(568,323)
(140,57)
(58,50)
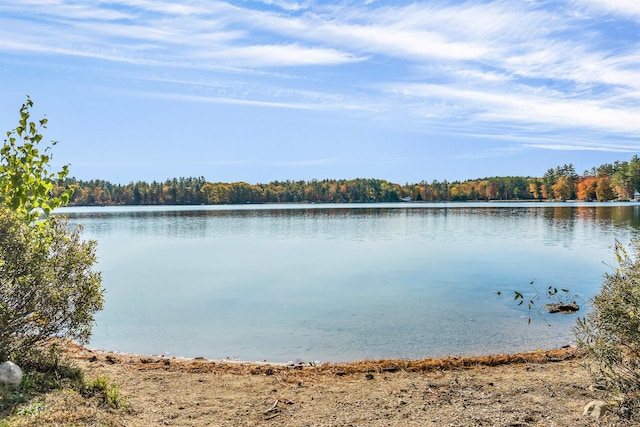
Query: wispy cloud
(280,56)
(625,8)
(287,5)
(494,66)
(578,147)
(525,107)
(314,101)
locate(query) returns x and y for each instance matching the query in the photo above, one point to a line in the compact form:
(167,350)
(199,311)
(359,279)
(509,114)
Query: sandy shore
(543,388)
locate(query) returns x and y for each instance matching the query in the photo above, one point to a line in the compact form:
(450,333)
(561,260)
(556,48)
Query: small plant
(9,398)
(99,384)
(110,393)
(30,409)
(114,399)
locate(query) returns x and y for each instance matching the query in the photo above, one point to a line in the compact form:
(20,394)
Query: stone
(596,409)
(10,374)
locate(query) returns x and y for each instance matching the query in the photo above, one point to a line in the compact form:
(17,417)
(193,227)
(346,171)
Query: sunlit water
(344,282)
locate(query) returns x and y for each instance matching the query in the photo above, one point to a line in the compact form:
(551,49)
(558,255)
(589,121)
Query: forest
(613,181)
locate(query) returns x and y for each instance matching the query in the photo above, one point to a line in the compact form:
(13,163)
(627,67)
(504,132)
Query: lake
(345,282)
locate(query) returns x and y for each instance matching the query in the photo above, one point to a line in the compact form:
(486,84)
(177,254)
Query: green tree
(48,287)
(604,192)
(548,181)
(633,173)
(26,182)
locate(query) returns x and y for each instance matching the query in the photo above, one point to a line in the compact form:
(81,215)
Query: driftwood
(562,308)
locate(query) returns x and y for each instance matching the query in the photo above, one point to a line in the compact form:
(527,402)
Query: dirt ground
(531,389)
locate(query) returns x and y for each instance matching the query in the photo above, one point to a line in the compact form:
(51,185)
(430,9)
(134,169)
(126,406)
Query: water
(344,282)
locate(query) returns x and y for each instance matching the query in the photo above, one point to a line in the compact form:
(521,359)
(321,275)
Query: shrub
(48,287)
(610,332)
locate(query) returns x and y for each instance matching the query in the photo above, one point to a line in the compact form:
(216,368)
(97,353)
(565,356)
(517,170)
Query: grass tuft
(109,392)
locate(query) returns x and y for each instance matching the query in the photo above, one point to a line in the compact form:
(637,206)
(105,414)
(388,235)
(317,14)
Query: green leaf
(25,181)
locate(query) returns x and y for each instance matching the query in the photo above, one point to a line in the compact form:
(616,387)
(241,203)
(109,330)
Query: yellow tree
(562,189)
(535,188)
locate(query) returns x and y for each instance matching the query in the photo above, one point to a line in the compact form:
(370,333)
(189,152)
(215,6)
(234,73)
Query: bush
(48,287)
(610,333)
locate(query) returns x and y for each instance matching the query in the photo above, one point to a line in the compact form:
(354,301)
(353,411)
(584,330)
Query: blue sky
(268,90)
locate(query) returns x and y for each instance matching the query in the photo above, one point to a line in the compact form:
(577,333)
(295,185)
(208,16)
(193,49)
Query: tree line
(613,181)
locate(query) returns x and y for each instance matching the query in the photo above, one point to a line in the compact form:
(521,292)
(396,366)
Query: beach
(540,388)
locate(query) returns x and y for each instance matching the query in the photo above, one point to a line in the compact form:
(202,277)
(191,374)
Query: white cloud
(60,10)
(245,96)
(279,56)
(169,8)
(291,6)
(492,65)
(581,147)
(412,45)
(627,8)
(415,33)
(527,108)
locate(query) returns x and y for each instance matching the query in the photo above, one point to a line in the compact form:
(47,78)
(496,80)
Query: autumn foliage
(617,181)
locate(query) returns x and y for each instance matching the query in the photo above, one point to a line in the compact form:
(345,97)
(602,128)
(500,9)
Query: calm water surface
(344,282)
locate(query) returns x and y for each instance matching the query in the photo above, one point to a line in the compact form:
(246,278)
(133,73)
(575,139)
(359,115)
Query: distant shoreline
(360,204)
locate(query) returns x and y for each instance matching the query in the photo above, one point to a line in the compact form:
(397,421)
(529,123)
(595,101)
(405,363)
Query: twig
(273,408)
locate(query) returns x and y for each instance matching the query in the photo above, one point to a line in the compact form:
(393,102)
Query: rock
(596,409)
(10,374)
(562,308)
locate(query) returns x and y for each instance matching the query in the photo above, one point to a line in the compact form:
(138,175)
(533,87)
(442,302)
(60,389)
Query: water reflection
(342,282)
(195,223)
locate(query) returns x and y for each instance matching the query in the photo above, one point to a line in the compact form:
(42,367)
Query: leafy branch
(26,181)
